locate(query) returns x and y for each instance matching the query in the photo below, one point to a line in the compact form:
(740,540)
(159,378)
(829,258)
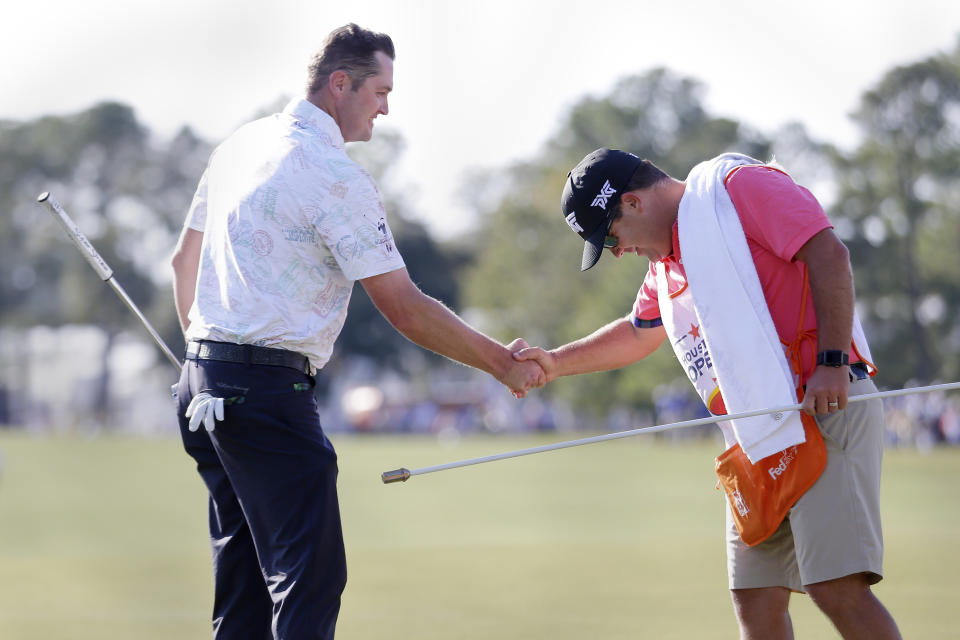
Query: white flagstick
(102,268)
(402,475)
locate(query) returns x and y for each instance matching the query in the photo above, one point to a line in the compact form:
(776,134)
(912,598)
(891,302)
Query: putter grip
(397,475)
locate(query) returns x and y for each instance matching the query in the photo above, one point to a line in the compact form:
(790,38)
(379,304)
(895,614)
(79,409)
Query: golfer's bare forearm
(431,325)
(186,263)
(428,323)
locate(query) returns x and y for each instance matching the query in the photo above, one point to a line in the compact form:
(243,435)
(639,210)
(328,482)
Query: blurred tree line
(895,200)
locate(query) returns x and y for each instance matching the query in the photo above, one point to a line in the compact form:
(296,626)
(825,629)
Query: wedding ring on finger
(833,404)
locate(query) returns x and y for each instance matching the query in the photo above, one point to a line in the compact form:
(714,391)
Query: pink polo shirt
(778,217)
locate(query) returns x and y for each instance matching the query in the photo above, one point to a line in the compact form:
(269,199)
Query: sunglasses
(610,242)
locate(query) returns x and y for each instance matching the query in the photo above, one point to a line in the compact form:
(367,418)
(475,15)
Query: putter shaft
(103,269)
(399,475)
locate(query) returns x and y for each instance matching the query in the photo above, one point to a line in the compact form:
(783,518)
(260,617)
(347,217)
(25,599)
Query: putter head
(397,475)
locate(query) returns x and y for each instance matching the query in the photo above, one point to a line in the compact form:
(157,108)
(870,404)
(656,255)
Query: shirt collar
(314,117)
(675,240)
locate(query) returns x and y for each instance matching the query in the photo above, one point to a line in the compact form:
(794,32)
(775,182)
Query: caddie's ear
(631,200)
(339,82)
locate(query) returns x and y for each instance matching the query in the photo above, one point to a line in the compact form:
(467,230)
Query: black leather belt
(859,371)
(247,353)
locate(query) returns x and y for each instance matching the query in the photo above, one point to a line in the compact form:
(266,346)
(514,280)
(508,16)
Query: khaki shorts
(834,529)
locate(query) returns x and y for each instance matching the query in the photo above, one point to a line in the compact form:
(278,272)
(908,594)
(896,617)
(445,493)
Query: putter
(402,475)
(103,269)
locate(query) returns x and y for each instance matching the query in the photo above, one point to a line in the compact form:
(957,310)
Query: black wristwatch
(832,358)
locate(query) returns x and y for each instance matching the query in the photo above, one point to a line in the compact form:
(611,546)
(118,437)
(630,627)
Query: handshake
(532,367)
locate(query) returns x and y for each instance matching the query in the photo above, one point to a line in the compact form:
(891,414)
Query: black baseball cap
(591,194)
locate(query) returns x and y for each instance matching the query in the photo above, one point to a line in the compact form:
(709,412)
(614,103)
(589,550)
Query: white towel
(752,368)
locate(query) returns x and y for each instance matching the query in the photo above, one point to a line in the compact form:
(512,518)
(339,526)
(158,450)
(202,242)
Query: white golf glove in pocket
(206,409)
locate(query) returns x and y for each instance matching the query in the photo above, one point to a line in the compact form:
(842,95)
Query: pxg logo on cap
(605,192)
(591,193)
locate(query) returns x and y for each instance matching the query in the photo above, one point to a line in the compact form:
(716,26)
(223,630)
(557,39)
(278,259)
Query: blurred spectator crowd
(58,380)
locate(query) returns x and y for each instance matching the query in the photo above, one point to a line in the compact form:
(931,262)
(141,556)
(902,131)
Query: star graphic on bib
(694,331)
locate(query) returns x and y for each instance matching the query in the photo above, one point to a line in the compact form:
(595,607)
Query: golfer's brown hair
(350,49)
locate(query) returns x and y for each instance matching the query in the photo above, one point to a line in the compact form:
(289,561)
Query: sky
(476,85)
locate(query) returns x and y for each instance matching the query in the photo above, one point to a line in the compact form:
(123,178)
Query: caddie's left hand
(204,408)
(826,390)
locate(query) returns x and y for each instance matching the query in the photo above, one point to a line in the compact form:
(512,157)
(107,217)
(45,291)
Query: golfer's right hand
(522,376)
(206,409)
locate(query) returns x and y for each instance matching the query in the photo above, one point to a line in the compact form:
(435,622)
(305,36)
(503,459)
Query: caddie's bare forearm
(613,346)
(430,324)
(186,263)
(831,290)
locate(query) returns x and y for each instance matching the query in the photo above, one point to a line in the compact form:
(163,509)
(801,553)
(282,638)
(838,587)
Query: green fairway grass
(106,538)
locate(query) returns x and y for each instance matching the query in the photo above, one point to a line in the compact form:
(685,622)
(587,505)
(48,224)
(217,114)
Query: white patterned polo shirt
(289,222)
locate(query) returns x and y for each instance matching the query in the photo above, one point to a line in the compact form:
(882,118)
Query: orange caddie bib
(760,495)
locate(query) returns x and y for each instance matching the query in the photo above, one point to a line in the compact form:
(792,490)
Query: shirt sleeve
(646,308)
(197,215)
(353,224)
(775,211)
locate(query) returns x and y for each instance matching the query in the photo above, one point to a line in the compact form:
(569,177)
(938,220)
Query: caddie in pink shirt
(773,242)
(754,292)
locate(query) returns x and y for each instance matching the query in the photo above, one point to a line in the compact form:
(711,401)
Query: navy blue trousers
(278,558)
